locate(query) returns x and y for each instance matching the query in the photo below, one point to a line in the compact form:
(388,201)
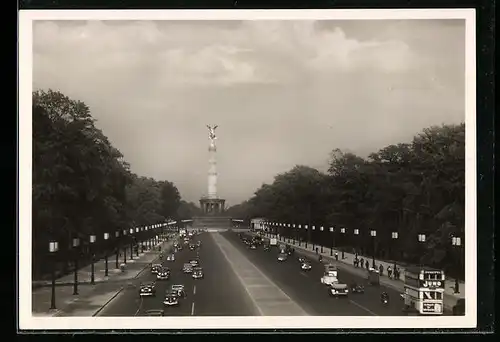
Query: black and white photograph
(247,169)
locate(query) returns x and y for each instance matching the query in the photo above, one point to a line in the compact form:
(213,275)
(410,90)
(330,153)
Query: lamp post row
(455,241)
(75,244)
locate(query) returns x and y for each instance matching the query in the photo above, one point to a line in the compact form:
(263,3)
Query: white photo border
(29,322)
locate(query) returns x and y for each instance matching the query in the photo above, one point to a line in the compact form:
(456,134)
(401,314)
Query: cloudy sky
(282,92)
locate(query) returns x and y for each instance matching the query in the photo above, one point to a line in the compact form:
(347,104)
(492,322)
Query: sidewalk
(91,298)
(348,264)
(84,273)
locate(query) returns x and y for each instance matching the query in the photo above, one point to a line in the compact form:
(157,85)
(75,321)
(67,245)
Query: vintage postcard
(247,169)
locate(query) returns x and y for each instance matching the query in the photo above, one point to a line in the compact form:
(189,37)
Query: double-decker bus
(424,290)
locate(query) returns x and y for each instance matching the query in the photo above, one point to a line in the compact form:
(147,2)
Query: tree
(187,210)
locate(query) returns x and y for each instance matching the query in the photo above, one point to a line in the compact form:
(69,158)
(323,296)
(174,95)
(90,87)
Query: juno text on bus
(424,290)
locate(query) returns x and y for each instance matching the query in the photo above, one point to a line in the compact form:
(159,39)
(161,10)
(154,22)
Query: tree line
(413,189)
(82,185)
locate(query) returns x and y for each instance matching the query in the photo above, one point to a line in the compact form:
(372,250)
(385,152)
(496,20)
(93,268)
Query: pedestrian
(362,262)
(389,272)
(396,273)
(367,264)
(355,262)
(381,269)
(336,256)
(456,290)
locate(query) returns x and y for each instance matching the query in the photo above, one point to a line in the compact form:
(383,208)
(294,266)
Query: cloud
(282,92)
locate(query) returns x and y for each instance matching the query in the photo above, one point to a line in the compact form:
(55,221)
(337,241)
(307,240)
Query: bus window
(435,295)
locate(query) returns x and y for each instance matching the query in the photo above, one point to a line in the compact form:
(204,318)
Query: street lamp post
(421,240)
(307,234)
(395,237)
(117,236)
(53,248)
(342,231)
(373,234)
(92,270)
(333,240)
(356,233)
(131,243)
(457,244)
(124,236)
(321,230)
(141,239)
(299,234)
(76,244)
(106,237)
(137,242)
(312,237)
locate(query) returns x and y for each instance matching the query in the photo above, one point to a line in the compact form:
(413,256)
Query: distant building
(257,223)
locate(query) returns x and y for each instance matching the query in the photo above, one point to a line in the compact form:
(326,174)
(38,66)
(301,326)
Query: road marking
(238,276)
(194,290)
(98,312)
(273,284)
(364,308)
(140,306)
(192,309)
(303,274)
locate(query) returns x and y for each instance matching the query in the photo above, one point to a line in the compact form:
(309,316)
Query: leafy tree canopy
(81,183)
(410,188)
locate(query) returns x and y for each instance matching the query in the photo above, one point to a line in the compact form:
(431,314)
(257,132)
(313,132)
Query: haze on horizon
(282,92)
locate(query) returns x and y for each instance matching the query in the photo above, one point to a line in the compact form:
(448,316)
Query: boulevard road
(305,288)
(220,293)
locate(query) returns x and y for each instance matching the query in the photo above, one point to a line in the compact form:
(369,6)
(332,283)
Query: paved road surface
(306,289)
(220,293)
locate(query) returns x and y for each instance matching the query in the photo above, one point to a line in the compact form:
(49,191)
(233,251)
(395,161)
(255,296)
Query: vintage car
(198,273)
(194,262)
(305,266)
(282,257)
(171,298)
(338,290)
(179,289)
(163,274)
(329,278)
(171,257)
(357,288)
(187,268)
(155,268)
(147,289)
(155,312)
(331,269)
(373,277)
